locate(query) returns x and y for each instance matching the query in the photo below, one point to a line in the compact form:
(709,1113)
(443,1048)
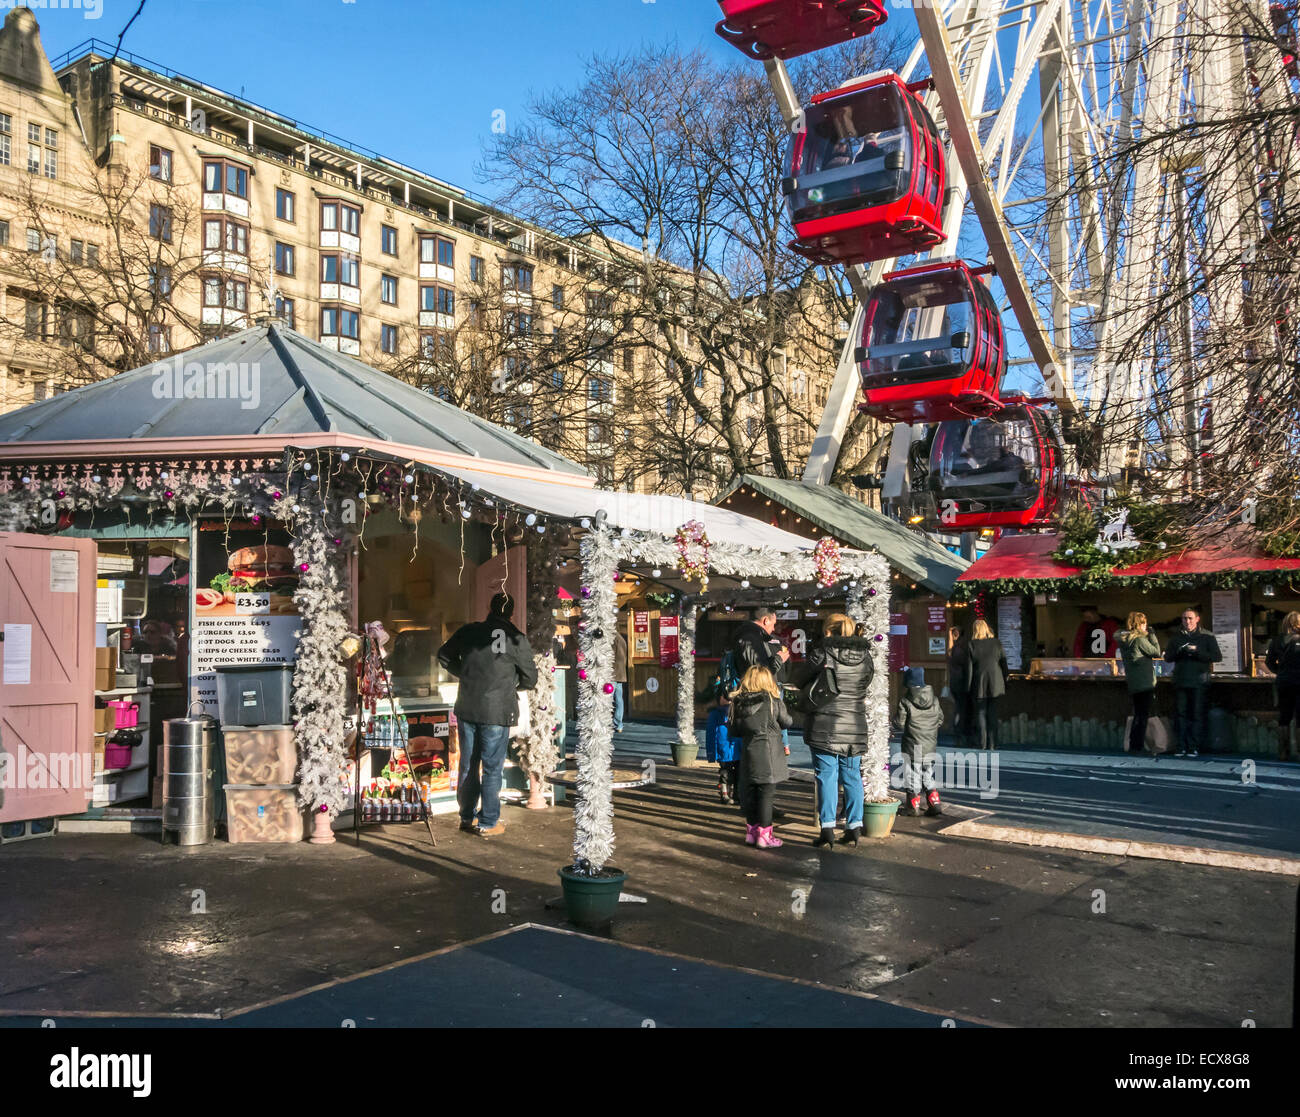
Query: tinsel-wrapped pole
(538,750)
(686,673)
(868,605)
(593,827)
(319,675)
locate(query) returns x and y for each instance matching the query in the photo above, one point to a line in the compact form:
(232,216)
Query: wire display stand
(374,685)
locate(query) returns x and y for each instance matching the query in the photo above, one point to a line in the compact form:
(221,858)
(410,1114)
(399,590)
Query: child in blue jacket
(723,748)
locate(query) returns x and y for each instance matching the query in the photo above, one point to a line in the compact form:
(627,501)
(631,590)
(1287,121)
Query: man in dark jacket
(918,718)
(1283,660)
(493,661)
(756,646)
(1191,650)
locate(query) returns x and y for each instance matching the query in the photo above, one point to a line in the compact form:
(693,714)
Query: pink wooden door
(47,675)
(509,572)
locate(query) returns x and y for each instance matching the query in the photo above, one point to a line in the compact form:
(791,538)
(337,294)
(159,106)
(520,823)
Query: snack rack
(374,685)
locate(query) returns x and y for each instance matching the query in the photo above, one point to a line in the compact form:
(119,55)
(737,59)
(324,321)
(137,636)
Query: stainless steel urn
(189,779)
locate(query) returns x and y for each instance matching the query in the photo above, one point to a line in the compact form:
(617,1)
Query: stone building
(221,213)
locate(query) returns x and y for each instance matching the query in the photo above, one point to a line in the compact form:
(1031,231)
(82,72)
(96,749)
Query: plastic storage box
(264,754)
(254,695)
(263,814)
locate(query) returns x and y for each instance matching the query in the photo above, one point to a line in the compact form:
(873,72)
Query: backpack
(729,672)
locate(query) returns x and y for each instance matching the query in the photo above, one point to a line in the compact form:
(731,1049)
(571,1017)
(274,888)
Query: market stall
(1067,686)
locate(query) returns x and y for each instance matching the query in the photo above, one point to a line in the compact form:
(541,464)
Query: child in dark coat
(918,719)
(758,715)
(721,748)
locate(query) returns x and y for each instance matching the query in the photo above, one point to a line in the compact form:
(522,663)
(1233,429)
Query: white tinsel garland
(539,753)
(593,836)
(871,610)
(319,674)
(686,673)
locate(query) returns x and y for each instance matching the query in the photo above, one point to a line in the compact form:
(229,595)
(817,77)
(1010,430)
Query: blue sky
(416,80)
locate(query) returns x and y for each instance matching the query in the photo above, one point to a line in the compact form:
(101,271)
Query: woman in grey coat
(836,734)
(988,682)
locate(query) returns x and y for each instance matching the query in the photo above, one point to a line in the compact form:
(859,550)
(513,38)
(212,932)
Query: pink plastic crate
(117,756)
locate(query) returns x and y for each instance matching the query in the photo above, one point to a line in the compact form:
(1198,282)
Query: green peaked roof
(856,525)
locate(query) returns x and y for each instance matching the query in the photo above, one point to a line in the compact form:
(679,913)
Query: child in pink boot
(758,715)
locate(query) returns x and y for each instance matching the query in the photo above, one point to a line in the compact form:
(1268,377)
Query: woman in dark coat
(758,716)
(959,685)
(837,733)
(988,682)
(1283,660)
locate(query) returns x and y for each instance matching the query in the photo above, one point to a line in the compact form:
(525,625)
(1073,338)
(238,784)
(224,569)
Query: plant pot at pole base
(322,833)
(878,818)
(685,755)
(536,800)
(592,901)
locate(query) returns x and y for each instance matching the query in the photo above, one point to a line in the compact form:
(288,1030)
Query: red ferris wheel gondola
(1284,34)
(932,345)
(866,173)
(1004,470)
(766,29)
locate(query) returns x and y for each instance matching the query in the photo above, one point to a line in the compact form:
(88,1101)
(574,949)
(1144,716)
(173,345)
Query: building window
(446,253)
(519,325)
(517,277)
(629,359)
(160,223)
(284,204)
(284,310)
(699,377)
(33,239)
(344,218)
(670,406)
(596,434)
(224,233)
(341,268)
(477,269)
(441,299)
(92,255)
(160,339)
(751,428)
(222,177)
(283,258)
(160,163)
(388,290)
(229,293)
(388,240)
(35,320)
(600,389)
(40,390)
(557,378)
(4,234)
(338,321)
(388,339)
(160,282)
(77,251)
(557,296)
(6,138)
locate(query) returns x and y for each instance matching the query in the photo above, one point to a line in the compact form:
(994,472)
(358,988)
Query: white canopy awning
(643,512)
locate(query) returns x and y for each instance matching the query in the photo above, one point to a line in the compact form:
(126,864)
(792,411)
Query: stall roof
(1028,557)
(286,389)
(646,512)
(863,528)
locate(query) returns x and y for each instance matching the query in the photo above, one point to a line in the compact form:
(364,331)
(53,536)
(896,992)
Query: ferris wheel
(1033,101)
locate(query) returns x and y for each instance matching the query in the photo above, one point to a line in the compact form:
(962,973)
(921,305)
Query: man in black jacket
(493,661)
(756,646)
(1191,650)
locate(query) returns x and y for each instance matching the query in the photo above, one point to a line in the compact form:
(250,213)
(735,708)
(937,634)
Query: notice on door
(17,655)
(64,569)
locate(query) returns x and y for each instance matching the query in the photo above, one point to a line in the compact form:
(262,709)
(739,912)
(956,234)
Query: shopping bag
(1158,736)
(524,723)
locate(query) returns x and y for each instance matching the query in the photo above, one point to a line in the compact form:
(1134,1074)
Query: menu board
(433,749)
(1225,623)
(1009,631)
(936,625)
(244,579)
(640,635)
(668,647)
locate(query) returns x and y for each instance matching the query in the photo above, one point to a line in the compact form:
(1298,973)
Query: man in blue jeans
(493,661)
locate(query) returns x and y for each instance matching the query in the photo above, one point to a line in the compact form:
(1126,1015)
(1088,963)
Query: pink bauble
(582,673)
(609,688)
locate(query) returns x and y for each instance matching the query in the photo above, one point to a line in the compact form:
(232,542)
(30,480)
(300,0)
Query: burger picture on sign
(265,570)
